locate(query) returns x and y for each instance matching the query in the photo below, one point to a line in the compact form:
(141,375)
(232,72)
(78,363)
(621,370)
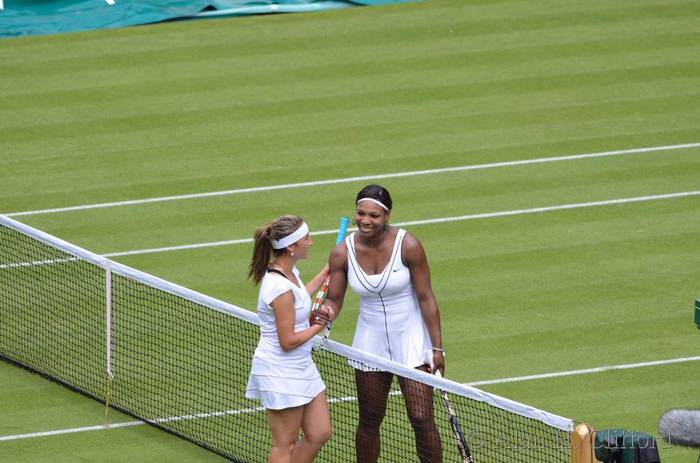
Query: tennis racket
(321,294)
(462,445)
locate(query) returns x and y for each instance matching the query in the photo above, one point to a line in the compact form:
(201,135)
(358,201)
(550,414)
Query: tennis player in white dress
(283,375)
(390,324)
(399,320)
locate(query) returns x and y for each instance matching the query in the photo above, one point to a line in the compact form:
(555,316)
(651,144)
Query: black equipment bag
(620,446)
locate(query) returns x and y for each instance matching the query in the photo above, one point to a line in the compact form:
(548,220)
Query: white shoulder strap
(397,246)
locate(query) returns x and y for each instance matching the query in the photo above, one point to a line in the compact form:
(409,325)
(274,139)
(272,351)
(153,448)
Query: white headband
(292,238)
(374,201)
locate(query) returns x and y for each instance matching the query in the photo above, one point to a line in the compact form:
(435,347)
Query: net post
(582,444)
(108,338)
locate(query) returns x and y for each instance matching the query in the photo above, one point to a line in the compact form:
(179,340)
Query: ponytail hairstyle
(262,244)
(376,193)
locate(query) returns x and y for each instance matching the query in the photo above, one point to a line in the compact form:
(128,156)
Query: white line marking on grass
(70,431)
(349,398)
(38,262)
(202,245)
(357,179)
(171,419)
(586,371)
(486,215)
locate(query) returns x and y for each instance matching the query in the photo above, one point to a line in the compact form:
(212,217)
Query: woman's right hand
(324,315)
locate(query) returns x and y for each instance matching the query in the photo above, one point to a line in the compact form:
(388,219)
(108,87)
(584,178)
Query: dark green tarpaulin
(32,17)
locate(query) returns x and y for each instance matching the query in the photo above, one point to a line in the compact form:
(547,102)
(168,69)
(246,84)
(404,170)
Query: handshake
(323,315)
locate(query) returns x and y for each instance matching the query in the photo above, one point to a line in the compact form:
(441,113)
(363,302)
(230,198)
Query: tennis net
(179,360)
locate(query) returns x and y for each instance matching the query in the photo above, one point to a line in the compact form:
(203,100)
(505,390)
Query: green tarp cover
(31,17)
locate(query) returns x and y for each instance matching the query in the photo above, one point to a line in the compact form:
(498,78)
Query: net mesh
(182,365)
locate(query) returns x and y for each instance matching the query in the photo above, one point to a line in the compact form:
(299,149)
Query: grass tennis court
(606,276)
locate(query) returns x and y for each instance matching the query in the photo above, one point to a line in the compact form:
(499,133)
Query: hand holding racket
(462,445)
(321,294)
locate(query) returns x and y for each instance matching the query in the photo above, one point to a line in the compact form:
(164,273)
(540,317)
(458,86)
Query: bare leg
(419,406)
(284,425)
(313,417)
(316,423)
(372,393)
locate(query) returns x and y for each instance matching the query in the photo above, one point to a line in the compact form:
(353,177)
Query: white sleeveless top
(390,324)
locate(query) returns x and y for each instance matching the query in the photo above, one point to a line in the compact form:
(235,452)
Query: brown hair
(262,243)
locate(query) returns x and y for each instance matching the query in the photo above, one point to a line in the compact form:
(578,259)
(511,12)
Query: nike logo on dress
(396,270)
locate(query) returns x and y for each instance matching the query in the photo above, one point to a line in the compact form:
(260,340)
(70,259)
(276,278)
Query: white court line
(586,371)
(38,262)
(486,215)
(361,178)
(71,430)
(351,399)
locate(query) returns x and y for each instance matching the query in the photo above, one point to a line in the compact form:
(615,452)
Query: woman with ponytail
(283,375)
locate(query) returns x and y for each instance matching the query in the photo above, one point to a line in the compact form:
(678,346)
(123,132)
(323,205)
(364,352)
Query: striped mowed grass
(191,107)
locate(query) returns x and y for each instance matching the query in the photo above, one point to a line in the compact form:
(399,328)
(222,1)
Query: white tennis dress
(390,324)
(277,378)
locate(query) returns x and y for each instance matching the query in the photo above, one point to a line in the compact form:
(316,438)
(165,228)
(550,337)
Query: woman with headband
(399,320)
(283,376)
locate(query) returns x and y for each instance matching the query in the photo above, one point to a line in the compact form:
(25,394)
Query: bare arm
(285,315)
(416,260)
(315,283)
(337,263)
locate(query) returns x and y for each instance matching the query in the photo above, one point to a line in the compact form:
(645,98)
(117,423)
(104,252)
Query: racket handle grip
(342,230)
